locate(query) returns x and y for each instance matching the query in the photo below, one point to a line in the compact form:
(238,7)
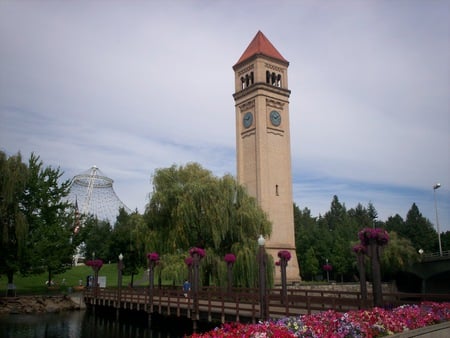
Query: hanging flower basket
(284,254)
(370,235)
(153,257)
(188,261)
(199,251)
(230,258)
(327,267)
(95,264)
(360,249)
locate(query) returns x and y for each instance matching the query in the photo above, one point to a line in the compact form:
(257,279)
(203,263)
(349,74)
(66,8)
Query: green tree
(191,207)
(341,257)
(397,224)
(126,239)
(397,256)
(97,239)
(13,223)
(50,221)
(420,231)
(310,264)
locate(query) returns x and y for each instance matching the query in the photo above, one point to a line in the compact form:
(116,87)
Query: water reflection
(85,325)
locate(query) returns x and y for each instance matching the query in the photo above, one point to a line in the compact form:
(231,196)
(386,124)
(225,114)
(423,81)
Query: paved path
(434,331)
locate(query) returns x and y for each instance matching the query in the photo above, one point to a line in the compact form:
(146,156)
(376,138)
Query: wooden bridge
(239,305)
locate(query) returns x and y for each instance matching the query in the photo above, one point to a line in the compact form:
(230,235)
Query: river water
(84,324)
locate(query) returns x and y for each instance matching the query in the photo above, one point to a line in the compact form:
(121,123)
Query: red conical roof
(261,45)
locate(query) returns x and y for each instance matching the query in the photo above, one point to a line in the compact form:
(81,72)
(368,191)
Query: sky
(134,86)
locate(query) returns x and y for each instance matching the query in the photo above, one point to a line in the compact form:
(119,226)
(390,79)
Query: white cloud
(132,87)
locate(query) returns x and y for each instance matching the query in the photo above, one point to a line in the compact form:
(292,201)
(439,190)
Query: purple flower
(360,249)
(199,251)
(327,267)
(153,257)
(370,235)
(230,258)
(284,254)
(188,261)
(95,263)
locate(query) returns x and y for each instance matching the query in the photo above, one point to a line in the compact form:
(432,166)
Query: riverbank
(40,304)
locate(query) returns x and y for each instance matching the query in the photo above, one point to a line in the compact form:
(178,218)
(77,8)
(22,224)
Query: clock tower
(263,142)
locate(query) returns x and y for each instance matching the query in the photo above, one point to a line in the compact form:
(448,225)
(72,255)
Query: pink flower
(284,254)
(230,258)
(153,257)
(199,251)
(377,235)
(360,249)
(327,267)
(188,261)
(95,263)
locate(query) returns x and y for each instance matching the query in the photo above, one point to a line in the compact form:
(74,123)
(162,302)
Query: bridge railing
(436,255)
(245,302)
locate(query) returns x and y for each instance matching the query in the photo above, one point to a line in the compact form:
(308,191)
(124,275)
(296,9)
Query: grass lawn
(36,284)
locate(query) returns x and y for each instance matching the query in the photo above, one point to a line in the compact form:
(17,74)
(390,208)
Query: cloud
(139,86)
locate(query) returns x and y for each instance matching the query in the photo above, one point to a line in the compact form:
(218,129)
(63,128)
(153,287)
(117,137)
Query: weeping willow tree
(13,222)
(191,207)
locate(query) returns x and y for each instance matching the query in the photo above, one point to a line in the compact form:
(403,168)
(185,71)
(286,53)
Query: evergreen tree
(420,231)
(310,266)
(126,239)
(50,221)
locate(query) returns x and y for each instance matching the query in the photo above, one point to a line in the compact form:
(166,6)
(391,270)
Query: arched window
(267,77)
(273,79)
(278,80)
(242,83)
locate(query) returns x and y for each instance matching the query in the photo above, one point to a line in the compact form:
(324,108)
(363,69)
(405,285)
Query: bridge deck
(240,304)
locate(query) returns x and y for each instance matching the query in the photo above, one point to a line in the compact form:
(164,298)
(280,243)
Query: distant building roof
(261,45)
(93,192)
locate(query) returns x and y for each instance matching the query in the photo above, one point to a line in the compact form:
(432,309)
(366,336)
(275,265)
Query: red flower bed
(364,323)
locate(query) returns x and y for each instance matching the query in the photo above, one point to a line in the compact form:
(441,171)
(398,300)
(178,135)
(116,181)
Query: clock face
(275,118)
(248,119)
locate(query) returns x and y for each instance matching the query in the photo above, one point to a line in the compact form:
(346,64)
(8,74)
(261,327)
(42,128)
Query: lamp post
(262,277)
(437,186)
(285,256)
(229,259)
(197,254)
(119,274)
(119,284)
(361,250)
(153,259)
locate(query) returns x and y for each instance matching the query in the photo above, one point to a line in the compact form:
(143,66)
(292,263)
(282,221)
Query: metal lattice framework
(92,191)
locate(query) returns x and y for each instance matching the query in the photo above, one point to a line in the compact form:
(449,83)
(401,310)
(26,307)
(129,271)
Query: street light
(119,270)
(119,284)
(262,277)
(437,186)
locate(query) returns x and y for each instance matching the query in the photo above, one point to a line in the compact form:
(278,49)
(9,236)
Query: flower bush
(201,252)
(363,323)
(230,258)
(188,261)
(153,257)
